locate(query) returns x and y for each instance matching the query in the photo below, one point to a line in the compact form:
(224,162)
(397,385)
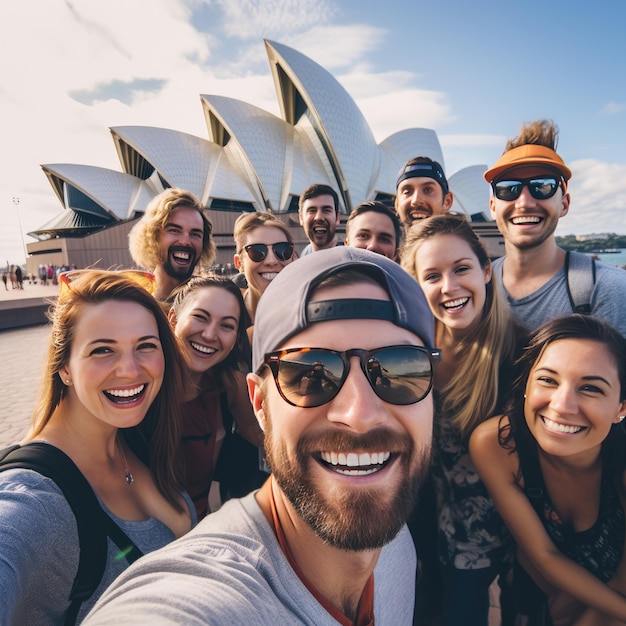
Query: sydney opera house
(251,160)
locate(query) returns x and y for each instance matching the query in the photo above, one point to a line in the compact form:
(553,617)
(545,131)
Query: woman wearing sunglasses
(478,338)
(555,465)
(112,377)
(209,318)
(264,246)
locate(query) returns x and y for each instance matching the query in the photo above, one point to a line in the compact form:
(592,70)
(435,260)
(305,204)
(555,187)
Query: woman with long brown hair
(109,404)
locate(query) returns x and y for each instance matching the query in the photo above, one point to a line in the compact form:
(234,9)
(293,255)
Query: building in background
(251,160)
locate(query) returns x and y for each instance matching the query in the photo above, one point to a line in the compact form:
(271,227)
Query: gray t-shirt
(231,570)
(39,549)
(608,299)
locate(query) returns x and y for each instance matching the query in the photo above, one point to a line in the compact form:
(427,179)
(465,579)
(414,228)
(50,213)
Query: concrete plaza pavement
(22,357)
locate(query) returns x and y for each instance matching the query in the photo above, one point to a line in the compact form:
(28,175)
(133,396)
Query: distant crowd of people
(374,431)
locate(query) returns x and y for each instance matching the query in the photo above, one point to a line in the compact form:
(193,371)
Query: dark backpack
(94,525)
(580,273)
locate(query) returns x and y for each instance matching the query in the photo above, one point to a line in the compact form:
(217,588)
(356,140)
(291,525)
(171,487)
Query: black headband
(424,170)
(350,309)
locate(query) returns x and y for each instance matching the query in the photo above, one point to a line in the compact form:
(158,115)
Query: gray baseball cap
(284,309)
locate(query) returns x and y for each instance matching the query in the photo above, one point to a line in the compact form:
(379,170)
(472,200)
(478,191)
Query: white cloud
(337,46)
(407,108)
(258,19)
(80,46)
(612,108)
(598,198)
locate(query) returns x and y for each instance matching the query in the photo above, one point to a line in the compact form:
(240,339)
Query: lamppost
(16,202)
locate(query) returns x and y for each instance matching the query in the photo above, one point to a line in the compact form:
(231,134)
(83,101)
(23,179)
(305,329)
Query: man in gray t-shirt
(343,367)
(529,195)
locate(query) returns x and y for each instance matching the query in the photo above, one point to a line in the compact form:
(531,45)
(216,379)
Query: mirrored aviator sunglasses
(283,251)
(540,188)
(145,280)
(311,377)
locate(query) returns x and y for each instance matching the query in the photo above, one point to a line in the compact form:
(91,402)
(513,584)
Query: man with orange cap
(541,281)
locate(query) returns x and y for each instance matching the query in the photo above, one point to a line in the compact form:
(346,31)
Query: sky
(471,71)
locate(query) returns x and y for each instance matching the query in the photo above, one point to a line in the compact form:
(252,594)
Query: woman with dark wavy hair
(555,466)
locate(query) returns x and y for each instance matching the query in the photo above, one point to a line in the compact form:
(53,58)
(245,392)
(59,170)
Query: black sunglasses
(541,188)
(311,377)
(283,251)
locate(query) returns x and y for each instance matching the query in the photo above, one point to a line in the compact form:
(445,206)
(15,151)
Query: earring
(68,380)
(621,418)
(524,396)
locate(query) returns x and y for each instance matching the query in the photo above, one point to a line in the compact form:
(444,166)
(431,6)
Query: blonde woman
(264,246)
(478,338)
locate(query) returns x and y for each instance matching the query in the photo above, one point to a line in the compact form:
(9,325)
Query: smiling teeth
(526,220)
(126,393)
(353,464)
(455,304)
(269,275)
(181,255)
(203,349)
(561,428)
(352,459)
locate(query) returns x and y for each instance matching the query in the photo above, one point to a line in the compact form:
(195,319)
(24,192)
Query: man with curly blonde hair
(172,239)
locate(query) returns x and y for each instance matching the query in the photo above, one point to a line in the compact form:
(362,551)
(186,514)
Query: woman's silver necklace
(128,477)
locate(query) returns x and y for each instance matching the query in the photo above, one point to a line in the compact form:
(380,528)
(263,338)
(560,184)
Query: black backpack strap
(93,524)
(580,274)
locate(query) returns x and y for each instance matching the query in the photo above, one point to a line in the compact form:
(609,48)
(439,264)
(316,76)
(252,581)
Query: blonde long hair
(486,347)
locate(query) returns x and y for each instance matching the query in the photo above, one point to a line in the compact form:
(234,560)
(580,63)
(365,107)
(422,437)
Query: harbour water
(613,258)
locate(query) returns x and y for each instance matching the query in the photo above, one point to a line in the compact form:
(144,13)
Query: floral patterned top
(472,534)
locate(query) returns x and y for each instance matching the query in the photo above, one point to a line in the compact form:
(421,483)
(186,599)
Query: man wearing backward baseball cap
(541,281)
(343,364)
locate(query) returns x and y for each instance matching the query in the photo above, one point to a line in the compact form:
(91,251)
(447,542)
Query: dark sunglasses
(311,377)
(540,188)
(283,251)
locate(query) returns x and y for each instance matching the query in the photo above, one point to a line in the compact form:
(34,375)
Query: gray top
(39,549)
(608,299)
(231,570)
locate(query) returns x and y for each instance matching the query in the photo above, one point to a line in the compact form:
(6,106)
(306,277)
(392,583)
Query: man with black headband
(422,190)
(529,184)
(341,386)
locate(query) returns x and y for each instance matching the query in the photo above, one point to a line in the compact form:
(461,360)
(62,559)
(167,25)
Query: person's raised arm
(498,469)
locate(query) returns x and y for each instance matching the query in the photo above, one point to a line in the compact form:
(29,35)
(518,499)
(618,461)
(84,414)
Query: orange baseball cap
(528,154)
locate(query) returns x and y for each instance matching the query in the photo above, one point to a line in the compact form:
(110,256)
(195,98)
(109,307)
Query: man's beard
(345,518)
(177,272)
(328,237)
